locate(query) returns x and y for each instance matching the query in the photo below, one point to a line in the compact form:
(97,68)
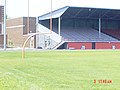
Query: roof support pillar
(59,25)
(99,27)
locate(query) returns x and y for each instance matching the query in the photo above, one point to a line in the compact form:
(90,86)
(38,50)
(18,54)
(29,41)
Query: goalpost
(34,34)
(24,44)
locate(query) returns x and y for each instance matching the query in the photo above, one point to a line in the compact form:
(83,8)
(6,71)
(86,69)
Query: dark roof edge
(94,8)
(78,7)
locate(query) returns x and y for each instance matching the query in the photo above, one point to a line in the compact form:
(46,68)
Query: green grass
(60,70)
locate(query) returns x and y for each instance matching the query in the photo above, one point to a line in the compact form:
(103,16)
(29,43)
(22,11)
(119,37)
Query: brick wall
(98,45)
(2,40)
(0,28)
(1,13)
(15,29)
(1,17)
(14,22)
(31,26)
(107,45)
(79,45)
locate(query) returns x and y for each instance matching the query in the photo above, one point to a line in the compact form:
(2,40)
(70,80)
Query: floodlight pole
(28,19)
(5,25)
(23,50)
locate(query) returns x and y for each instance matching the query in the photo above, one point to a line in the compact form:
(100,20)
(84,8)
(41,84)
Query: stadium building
(80,28)
(1,26)
(19,29)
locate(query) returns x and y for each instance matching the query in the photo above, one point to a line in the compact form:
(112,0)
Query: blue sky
(19,8)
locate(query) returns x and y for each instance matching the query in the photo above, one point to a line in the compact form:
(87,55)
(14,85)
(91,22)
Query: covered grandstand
(81,28)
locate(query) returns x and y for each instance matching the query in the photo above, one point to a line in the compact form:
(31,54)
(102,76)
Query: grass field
(60,70)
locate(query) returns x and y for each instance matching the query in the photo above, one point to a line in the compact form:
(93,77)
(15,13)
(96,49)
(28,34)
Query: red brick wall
(78,45)
(117,44)
(107,45)
(98,45)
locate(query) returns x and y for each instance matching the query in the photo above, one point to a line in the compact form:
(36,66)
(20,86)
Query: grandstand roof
(83,12)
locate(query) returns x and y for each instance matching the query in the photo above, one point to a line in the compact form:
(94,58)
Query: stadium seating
(84,34)
(113,33)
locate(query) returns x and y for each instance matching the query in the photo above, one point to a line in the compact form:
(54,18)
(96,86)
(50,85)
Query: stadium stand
(113,33)
(85,28)
(84,34)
